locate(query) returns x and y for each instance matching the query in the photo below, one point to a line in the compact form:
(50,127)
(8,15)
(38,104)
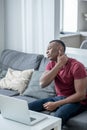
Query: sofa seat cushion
(8,92)
(16,80)
(78,122)
(28,99)
(35,90)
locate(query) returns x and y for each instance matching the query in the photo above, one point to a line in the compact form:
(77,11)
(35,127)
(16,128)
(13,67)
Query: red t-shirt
(64,81)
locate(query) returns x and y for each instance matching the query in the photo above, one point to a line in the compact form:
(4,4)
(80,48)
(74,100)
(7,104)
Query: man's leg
(67,111)
(38,104)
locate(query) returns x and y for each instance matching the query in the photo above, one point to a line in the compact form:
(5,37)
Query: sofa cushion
(2,73)
(28,99)
(43,64)
(16,80)
(35,90)
(19,60)
(8,92)
(78,122)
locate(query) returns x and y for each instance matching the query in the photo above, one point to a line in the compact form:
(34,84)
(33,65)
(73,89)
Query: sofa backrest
(19,60)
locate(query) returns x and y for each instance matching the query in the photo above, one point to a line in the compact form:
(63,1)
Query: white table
(47,124)
(77,53)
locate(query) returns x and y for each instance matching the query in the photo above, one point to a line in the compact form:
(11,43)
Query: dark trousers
(64,112)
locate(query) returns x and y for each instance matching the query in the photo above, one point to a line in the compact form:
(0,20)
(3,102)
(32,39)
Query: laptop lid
(17,110)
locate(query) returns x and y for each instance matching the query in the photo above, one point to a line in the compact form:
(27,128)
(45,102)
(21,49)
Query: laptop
(17,110)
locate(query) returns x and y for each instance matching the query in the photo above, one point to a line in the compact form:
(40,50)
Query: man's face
(53,51)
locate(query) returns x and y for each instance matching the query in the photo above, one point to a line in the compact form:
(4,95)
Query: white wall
(14,38)
(1,25)
(13,22)
(56,18)
(13,33)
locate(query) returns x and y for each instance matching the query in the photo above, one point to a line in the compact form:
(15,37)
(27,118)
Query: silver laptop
(17,110)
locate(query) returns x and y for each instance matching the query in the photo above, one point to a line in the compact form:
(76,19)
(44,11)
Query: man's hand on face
(61,59)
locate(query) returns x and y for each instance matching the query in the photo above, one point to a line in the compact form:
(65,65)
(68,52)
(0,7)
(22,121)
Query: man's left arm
(79,95)
(80,91)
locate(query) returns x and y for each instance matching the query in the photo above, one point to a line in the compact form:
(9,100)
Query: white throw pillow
(16,80)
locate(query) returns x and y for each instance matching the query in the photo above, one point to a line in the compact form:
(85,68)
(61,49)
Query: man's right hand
(61,59)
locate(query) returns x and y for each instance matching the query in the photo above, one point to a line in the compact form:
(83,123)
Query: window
(68,15)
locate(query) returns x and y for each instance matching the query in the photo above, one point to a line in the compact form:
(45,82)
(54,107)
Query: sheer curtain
(38,24)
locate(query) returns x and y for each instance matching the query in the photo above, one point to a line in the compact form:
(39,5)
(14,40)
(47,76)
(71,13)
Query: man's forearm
(71,99)
(49,76)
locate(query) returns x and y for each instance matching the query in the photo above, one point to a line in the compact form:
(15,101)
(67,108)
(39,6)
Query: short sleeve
(79,71)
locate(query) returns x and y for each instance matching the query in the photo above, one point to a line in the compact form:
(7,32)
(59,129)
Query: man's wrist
(59,66)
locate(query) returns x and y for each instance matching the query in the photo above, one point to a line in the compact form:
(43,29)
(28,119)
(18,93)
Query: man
(70,79)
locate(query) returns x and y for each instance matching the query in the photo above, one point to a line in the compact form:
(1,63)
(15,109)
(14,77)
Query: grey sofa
(22,61)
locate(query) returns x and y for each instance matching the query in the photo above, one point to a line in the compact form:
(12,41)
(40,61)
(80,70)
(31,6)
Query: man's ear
(61,51)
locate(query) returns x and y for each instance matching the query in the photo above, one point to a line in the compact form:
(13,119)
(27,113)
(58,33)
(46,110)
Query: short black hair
(60,42)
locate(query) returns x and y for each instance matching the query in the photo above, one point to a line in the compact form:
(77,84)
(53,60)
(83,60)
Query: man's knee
(61,115)
(36,106)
